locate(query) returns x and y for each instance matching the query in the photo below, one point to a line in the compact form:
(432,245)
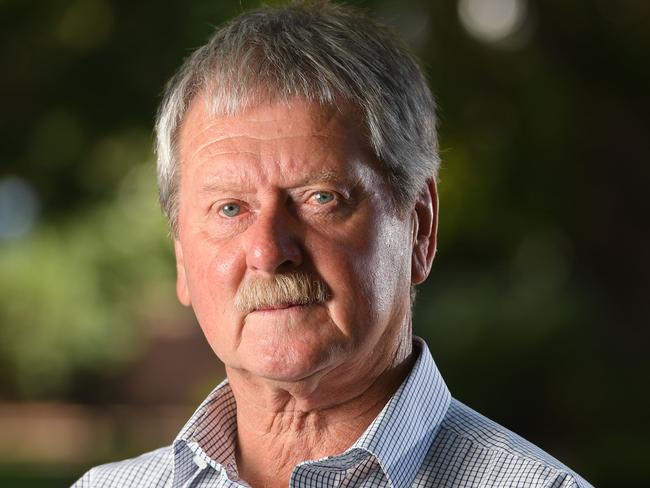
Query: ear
(182,289)
(425,232)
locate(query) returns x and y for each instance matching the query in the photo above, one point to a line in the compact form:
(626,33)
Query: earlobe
(425,231)
(182,290)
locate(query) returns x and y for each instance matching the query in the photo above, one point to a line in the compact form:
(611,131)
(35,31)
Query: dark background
(537,307)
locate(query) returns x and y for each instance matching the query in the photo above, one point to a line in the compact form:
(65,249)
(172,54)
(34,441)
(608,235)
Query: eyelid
(342,192)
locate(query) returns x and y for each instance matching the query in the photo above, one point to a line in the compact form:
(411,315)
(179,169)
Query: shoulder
(150,469)
(479,452)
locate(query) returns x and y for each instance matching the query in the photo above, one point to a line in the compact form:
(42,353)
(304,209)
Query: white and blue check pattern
(422,438)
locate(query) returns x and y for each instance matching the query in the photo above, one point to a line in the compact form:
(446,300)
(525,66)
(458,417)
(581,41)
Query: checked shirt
(422,438)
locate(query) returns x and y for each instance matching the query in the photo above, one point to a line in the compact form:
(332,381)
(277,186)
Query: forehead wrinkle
(228,141)
(321,119)
(324,123)
(234,139)
(247,137)
(205,155)
(244,183)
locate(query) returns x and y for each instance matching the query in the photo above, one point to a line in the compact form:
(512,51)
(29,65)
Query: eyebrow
(326,175)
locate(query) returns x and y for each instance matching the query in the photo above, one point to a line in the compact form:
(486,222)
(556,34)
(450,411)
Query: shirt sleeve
(84,481)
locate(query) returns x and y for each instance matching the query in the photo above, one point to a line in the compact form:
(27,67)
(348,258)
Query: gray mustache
(297,288)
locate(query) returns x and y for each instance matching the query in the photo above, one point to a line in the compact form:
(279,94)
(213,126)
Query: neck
(280,425)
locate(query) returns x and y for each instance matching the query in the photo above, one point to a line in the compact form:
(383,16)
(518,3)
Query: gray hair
(326,53)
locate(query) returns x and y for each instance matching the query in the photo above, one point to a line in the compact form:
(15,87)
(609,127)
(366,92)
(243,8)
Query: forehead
(294,123)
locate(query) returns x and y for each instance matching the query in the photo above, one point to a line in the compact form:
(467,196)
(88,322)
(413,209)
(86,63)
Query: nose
(272,242)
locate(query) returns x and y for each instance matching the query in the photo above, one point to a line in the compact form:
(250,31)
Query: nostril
(272,246)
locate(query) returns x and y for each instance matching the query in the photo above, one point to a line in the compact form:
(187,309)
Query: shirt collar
(399,437)
(401,434)
(210,434)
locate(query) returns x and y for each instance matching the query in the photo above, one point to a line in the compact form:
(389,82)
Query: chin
(289,364)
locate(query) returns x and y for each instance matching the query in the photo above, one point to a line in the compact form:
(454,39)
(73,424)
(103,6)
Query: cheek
(393,271)
(365,270)
(213,279)
(381,267)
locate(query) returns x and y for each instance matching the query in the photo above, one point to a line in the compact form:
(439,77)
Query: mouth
(279,306)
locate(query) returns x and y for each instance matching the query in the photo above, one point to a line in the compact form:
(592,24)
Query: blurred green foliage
(72,292)
(537,307)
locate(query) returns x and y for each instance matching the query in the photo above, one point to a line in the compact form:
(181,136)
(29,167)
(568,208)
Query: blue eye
(230,210)
(323,197)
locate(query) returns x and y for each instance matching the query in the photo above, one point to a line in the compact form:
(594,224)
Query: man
(297,160)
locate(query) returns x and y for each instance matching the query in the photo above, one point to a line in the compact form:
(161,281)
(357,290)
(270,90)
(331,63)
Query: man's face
(280,189)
